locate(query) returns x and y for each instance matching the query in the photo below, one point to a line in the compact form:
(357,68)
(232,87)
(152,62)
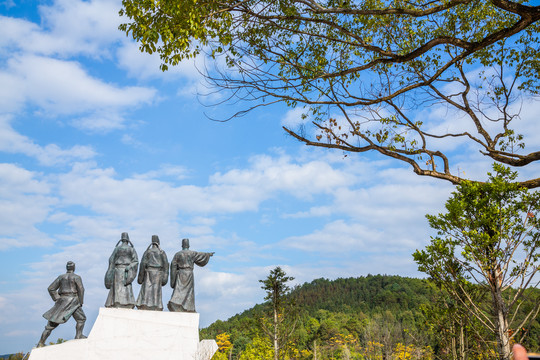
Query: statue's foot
(80,337)
(40,344)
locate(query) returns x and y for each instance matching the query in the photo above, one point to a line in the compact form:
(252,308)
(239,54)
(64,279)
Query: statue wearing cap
(67,291)
(153,274)
(123,264)
(183,297)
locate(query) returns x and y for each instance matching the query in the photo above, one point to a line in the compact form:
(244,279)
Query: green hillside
(373,293)
(345,318)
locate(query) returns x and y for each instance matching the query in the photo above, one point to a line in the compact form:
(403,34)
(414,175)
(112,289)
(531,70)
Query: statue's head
(155,239)
(70,266)
(185,243)
(124,237)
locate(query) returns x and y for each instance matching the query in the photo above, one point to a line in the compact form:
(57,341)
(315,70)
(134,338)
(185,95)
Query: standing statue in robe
(122,270)
(183,297)
(67,291)
(153,274)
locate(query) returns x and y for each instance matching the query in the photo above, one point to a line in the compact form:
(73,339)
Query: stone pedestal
(122,334)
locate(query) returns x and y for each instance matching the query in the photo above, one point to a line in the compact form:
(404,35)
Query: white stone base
(123,334)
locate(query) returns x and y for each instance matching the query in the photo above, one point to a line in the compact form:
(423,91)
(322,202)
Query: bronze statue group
(67,290)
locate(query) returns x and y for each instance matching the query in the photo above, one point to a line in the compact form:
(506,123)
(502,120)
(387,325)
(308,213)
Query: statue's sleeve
(80,289)
(109,275)
(174,271)
(202,258)
(132,271)
(52,289)
(140,279)
(165,263)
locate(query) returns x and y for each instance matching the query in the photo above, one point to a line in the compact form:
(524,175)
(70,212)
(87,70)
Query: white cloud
(60,87)
(190,74)
(146,66)
(83,26)
(378,203)
(51,154)
(315,211)
(293,118)
(25,202)
(100,121)
(444,120)
(100,191)
(234,191)
(268,173)
(377,225)
(340,237)
(55,86)
(527,124)
(142,202)
(16,180)
(165,170)
(64,87)
(12,91)
(15,33)
(68,28)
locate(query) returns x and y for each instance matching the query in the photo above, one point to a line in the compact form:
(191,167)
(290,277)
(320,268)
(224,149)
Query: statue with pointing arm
(182,281)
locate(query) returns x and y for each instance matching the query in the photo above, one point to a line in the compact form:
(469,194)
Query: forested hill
(328,309)
(369,294)
(373,293)
(376,316)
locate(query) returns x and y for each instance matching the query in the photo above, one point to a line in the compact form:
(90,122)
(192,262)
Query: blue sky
(96,140)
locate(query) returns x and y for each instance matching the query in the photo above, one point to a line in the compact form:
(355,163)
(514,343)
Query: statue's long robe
(123,265)
(153,274)
(67,292)
(183,297)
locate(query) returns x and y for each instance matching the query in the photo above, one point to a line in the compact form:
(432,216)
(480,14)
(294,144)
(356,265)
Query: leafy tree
(224,344)
(363,70)
(455,335)
(373,351)
(259,349)
(282,325)
(18,356)
(218,355)
(488,241)
(383,329)
(410,352)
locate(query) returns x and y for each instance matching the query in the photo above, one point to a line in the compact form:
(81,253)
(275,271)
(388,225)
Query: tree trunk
(454,341)
(500,314)
(503,338)
(346,354)
(276,345)
(462,340)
